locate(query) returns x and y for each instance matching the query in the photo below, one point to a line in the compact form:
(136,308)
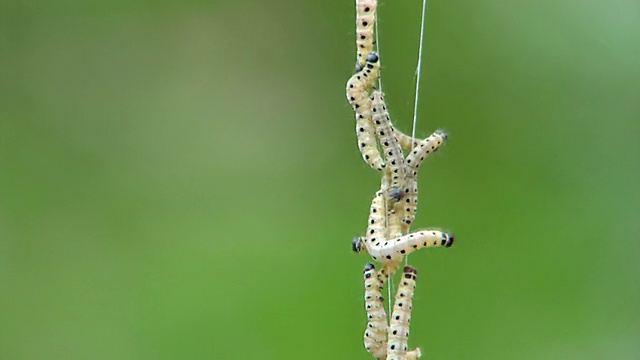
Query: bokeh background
(180,180)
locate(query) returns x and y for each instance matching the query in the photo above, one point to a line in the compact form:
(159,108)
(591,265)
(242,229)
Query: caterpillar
(408,208)
(357,92)
(393,250)
(375,335)
(401,318)
(365,20)
(391,149)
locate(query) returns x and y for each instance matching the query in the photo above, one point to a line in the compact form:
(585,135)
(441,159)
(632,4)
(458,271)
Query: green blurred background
(180,180)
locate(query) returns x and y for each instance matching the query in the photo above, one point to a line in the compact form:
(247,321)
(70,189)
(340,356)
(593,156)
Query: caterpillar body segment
(375,335)
(365,21)
(394,250)
(362,82)
(367,141)
(408,207)
(405,141)
(357,92)
(391,149)
(408,143)
(401,317)
(376,228)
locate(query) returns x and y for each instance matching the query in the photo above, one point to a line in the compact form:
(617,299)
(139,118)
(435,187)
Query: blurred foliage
(180,180)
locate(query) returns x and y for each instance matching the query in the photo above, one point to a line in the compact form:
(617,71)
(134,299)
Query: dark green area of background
(180,180)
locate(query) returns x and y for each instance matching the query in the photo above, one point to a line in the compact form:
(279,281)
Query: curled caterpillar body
(401,317)
(357,91)
(408,207)
(393,250)
(392,151)
(375,335)
(365,20)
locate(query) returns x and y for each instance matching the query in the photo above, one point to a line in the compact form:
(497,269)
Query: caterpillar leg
(357,91)
(365,20)
(375,335)
(401,317)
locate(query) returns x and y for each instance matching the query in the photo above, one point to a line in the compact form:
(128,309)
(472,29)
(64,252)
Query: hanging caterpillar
(401,318)
(391,149)
(357,91)
(375,335)
(408,208)
(365,20)
(393,250)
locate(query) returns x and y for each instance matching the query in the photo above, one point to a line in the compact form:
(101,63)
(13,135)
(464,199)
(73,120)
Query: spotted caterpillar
(365,20)
(390,146)
(401,318)
(358,88)
(375,335)
(393,250)
(408,208)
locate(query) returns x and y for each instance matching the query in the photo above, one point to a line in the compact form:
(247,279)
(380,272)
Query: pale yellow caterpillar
(393,250)
(408,207)
(365,20)
(398,336)
(375,335)
(357,91)
(393,155)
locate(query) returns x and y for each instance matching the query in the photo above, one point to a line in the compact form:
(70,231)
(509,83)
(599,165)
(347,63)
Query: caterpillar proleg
(401,318)
(375,335)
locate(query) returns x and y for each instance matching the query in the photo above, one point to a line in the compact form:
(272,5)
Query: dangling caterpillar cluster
(394,206)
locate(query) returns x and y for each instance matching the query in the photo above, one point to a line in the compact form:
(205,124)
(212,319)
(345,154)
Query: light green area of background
(180,180)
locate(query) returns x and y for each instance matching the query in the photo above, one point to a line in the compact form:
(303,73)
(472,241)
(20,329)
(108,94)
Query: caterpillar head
(449,240)
(442,134)
(357,245)
(373,57)
(395,194)
(368,267)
